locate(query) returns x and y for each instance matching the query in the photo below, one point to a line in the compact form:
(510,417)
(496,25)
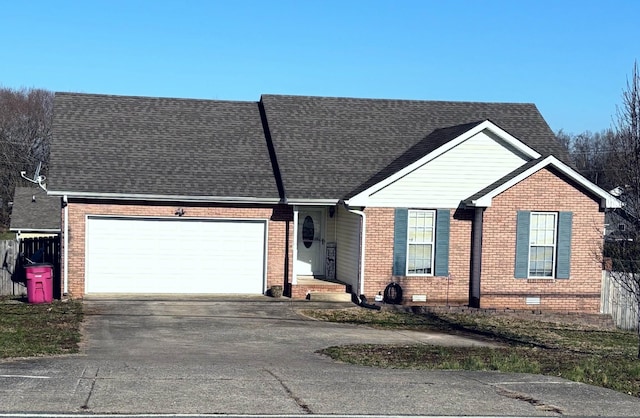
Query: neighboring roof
(159,148)
(331,148)
(34,211)
(484,197)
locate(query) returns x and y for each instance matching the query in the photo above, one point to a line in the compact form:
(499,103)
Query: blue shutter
(442,242)
(400,242)
(522,244)
(563,264)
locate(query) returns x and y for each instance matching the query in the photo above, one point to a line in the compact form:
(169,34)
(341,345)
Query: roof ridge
(177,99)
(387,99)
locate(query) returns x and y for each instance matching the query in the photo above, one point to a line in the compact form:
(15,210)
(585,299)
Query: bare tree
(25,132)
(590,154)
(624,167)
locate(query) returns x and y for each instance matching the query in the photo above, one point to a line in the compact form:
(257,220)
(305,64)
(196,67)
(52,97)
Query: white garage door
(174,255)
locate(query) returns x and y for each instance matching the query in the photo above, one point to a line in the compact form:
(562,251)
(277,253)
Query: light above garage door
(174,255)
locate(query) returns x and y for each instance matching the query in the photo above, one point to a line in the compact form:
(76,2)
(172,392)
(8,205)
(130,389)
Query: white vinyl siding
(420,245)
(453,176)
(542,248)
(174,255)
(348,247)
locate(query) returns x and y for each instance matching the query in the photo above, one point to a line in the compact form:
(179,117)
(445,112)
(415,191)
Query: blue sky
(571,58)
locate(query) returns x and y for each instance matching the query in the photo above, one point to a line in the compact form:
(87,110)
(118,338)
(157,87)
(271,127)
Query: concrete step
(329,296)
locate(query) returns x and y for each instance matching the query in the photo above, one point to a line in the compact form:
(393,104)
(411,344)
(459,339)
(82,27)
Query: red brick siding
(275,246)
(439,290)
(543,191)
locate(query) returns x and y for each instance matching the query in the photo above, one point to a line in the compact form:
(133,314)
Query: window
(420,235)
(421,242)
(542,247)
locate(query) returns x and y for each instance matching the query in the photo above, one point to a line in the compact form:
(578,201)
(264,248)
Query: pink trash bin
(39,283)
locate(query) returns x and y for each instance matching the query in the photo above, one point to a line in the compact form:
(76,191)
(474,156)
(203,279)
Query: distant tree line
(611,159)
(26,117)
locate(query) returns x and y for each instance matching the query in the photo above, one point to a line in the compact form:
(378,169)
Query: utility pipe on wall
(65,202)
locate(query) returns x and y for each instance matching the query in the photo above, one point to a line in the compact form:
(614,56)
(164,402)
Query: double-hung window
(421,242)
(542,247)
(420,245)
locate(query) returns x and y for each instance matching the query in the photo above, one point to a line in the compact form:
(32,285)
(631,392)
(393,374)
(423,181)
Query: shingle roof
(33,210)
(430,143)
(159,146)
(329,147)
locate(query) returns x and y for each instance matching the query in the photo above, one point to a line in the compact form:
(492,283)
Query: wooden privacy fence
(9,283)
(17,254)
(618,302)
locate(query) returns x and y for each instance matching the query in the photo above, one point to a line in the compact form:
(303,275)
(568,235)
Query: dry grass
(580,352)
(33,330)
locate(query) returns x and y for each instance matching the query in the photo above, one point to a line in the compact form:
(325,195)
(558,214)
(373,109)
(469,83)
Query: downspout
(294,273)
(363,234)
(65,204)
(476,258)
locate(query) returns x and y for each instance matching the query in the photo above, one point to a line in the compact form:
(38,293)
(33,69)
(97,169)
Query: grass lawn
(36,330)
(583,353)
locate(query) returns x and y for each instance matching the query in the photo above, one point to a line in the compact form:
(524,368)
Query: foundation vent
(532,300)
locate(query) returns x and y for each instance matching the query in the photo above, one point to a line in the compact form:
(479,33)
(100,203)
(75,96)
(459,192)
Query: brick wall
(543,191)
(276,246)
(453,290)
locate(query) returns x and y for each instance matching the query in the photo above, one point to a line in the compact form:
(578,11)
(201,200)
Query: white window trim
(555,245)
(432,242)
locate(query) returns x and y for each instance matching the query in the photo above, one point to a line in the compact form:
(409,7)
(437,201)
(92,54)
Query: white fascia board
(361,199)
(508,138)
(165,198)
(313,202)
(607,201)
(30,230)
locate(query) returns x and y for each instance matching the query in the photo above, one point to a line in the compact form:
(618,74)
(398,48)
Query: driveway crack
(305,408)
(85,405)
(538,404)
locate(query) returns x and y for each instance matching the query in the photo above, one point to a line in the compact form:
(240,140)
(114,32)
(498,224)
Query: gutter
(34,230)
(166,198)
(313,202)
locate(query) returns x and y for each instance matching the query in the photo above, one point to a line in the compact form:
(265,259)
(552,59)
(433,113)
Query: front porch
(312,288)
(326,252)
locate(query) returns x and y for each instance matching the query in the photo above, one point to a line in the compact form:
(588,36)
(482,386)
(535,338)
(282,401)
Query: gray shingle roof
(159,146)
(33,210)
(326,147)
(329,147)
(430,143)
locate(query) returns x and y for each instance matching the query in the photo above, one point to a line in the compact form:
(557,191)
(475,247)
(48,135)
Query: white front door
(310,260)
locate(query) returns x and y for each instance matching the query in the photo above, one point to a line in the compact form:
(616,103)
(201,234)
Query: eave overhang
(607,201)
(165,198)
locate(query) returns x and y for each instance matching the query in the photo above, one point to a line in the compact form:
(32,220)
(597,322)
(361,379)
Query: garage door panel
(130,255)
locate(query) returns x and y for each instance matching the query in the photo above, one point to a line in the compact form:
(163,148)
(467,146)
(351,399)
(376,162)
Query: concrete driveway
(257,356)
